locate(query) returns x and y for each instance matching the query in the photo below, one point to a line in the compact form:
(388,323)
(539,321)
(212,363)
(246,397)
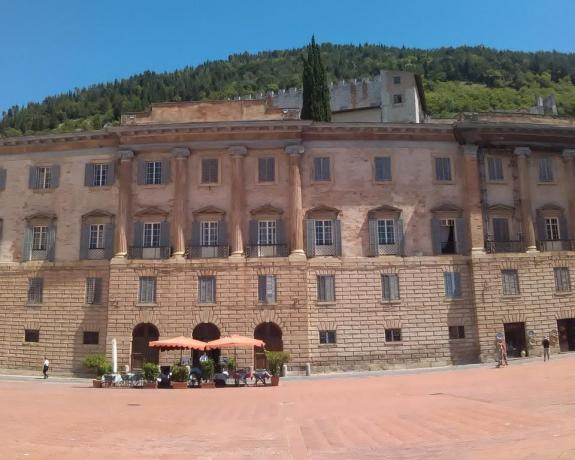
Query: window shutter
(2,178)
(27,243)
(196,228)
(310,237)
(448,284)
(262,288)
(51,242)
(461,236)
(270,289)
(373,237)
(141,172)
(111,173)
(280,232)
(457,284)
(253,232)
(165,233)
(394,285)
(542,171)
(436,235)
(337,236)
(34,177)
(213,289)
(222,233)
(89,175)
(97,291)
(330,288)
(84,241)
(166,171)
(540,223)
(138,240)
(55,170)
(109,241)
(383,168)
(563,227)
(399,237)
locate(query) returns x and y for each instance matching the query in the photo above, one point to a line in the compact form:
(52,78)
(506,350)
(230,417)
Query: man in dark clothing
(545,344)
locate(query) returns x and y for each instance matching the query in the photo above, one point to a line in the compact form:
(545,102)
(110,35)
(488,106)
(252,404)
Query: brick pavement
(521,412)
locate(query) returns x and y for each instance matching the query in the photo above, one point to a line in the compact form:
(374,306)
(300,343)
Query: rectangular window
(32,335)
(390,286)
(39,238)
(562,279)
(385,231)
(552,228)
(209,171)
(147,289)
(447,236)
(452,282)
(266,232)
(500,229)
(100,174)
(207,289)
(93,291)
(545,170)
(153,173)
(393,335)
(495,169)
(443,169)
(267,289)
(151,235)
(266,169)
(326,337)
(209,233)
(510,280)
(396,80)
(321,170)
(91,338)
(44,177)
(456,332)
(382,169)
(326,288)
(323,233)
(35,290)
(96,236)
(397,98)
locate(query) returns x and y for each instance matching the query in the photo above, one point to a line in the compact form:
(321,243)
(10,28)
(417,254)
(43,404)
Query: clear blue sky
(51,46)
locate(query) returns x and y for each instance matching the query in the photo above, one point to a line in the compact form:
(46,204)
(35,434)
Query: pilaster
(472,194)
(124,202)
(569,156)
(295,153)
(237,200)
(181,155)
(523,154)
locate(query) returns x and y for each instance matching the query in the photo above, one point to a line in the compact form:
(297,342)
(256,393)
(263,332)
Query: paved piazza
(525,411)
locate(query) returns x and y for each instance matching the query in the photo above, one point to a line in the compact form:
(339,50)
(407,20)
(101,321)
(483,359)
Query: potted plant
(208,370)
(151,373)
(180,376)
(276,361)
(99,365)
(232,364)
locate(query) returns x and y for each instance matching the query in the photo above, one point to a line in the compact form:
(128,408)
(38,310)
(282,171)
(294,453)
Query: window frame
(153,172)
(151,231)
(31,335)
(453,281)
(44,177)
(97,232)
(209,233)
(321,226)
(101,174)
(89,336)
(40,238)
(323,296)
(321,160)
(261,172)
(327,337)
(386,178)
(506,275)
(35,294)
(552,228)
(397,99)
(456,332)
(267,298)
(436,178)
(148,294)
(387,293)
(268,229)
(549,170)
(397,79)
(562,277)
(202,292)
(393,335)
(203,178)
(93,290)
(500,169)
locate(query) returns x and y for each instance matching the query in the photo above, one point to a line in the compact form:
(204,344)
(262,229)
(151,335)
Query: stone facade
(439,178)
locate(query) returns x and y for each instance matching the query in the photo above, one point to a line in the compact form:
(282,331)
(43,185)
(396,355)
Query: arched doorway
(206,332)
(141,353)
(271,334)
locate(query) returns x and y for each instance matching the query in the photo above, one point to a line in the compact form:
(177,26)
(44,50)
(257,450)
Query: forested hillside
(456,79)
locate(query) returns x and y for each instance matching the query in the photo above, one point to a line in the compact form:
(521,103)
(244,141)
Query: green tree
(316,104)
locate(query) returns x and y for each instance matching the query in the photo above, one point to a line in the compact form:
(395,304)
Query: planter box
(179,385)
(150,385)
(275,380)
(97,383)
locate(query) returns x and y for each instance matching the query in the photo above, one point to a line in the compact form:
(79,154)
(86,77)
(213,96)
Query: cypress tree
(316,104)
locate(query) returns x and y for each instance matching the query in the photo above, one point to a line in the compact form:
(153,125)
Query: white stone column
(237,201)
(472,195)
(523,154)
(124,202)
(295,153)
(181,155)
(569,156)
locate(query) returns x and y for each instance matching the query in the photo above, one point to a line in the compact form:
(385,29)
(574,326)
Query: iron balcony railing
(158,252)
(323,250)
(39,254)
(493,247)
(207,252)
(556,245)
(96,254)
(267,250)
(385,250)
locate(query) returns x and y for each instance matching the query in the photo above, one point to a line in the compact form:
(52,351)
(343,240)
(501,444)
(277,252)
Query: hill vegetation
(456,79)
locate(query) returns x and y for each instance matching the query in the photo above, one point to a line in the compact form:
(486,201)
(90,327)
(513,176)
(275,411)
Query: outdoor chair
(241,376)
(261,375)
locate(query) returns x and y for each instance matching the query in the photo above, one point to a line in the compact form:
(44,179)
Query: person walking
(45,367)
(545,344)
(502,352)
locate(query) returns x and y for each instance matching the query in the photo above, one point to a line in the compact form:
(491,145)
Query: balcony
(207,252)
(158,252)
(556,245)
(495,247)
(39,254)
(385,250)
(267,250)
(324,250)
(96,254)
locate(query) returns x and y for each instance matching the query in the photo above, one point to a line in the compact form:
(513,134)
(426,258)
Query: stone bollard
(307,369)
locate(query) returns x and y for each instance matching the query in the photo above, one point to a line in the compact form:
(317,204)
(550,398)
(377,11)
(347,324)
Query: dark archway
(141,353)
(206,332)
(271,334)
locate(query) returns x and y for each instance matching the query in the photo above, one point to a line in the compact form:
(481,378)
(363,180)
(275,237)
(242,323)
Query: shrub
(208,369)
(232,364)
(151,372)
(276,360)
(98,363)
(180,373)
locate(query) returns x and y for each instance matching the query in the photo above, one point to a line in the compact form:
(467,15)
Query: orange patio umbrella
(178,343)
(234,341)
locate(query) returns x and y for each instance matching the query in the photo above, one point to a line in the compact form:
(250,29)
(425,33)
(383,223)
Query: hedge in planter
(98,364)
(276,361)
(208,369)
(151,373)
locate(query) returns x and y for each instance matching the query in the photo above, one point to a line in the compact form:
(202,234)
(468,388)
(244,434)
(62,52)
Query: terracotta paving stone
(526,411)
